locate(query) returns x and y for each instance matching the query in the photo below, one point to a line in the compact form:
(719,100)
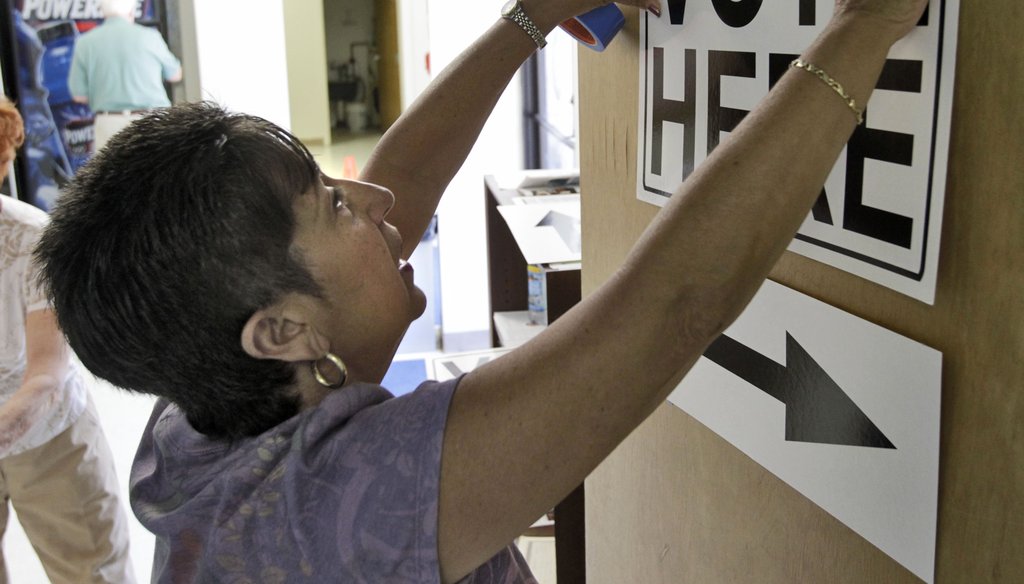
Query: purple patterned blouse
(344,492)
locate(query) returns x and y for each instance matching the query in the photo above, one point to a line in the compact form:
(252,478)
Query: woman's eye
(339,200)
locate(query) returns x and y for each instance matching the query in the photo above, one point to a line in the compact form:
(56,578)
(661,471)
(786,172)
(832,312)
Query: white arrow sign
(844,411)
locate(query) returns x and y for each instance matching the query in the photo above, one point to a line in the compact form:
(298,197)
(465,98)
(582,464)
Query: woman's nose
(383,202)
(375,200)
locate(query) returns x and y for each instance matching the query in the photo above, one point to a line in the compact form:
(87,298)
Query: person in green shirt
(119,69)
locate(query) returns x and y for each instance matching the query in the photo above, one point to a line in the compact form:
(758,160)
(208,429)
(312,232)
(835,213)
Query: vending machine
(37,42)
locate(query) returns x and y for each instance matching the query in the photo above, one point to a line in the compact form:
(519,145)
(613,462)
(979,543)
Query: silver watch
(513,10)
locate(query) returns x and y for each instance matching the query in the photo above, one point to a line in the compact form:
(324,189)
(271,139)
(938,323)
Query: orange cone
(348,169)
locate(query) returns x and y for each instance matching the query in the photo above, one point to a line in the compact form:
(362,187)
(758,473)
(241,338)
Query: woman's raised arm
(418,156)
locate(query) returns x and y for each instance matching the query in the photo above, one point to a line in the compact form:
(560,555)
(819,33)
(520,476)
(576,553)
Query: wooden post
(677,503)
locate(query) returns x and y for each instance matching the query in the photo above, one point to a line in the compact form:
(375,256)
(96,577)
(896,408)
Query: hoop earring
(337,363)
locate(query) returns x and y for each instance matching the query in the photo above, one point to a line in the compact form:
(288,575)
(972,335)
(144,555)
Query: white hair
(118,7)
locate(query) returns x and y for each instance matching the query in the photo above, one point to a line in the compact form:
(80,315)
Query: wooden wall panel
(676,503)
(388,67)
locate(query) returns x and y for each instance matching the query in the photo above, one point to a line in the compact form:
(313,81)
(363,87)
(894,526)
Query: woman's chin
(418,304)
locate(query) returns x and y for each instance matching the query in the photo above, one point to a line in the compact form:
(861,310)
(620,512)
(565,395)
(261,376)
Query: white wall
(307,70)
(454,24)
(413,48)
(241,56)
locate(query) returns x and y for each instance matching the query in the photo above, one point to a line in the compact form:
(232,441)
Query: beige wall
(307,70)
(676,503)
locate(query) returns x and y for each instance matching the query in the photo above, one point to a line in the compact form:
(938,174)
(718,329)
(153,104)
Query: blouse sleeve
(376,484)
(32,293)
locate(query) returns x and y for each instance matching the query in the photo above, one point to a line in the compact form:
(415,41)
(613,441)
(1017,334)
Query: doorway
(363,69)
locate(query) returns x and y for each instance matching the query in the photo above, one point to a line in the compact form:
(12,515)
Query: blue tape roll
(597,28)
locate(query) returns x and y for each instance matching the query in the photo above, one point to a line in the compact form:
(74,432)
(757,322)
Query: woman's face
(370,298)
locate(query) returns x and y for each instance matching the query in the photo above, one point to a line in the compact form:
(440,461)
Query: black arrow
(817,409)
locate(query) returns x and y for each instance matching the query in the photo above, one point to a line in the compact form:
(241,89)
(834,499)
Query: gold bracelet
(835,85)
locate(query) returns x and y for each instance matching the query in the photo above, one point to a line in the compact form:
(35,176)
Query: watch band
(517,15)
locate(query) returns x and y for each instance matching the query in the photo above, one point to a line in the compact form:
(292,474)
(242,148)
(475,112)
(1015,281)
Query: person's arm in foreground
(40,391)
(418,156)
(525,429)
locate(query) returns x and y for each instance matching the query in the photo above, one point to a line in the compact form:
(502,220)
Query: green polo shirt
(120,65)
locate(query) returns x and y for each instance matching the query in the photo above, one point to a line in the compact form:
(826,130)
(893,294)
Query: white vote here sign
(706,63)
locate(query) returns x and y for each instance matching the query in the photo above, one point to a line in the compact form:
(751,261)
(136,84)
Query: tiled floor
(332,158)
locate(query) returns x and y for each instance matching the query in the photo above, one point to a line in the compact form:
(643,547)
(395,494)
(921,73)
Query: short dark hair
(164,245)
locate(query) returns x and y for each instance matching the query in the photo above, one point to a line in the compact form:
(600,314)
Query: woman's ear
(283,331)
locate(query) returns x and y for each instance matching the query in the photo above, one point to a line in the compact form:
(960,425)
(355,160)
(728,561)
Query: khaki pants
(66,495)
(106,125)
